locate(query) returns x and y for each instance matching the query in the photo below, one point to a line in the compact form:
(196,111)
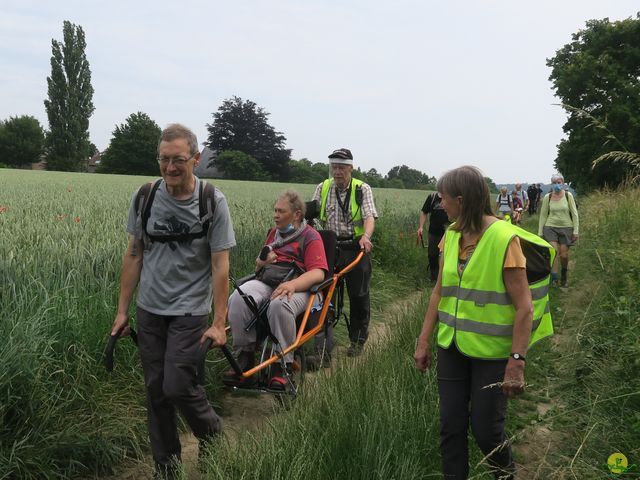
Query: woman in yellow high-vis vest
(490,303)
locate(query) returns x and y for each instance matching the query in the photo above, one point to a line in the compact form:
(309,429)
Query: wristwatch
(517,356)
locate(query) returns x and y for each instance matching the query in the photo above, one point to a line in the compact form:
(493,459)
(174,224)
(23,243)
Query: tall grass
(590,374)
(61,241)
(376,418)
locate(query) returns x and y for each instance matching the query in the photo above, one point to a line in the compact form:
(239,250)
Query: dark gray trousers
(462,398)
(168,351)
(434,255)
(357,281)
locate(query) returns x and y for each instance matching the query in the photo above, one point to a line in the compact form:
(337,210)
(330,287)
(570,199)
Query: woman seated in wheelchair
(291,262)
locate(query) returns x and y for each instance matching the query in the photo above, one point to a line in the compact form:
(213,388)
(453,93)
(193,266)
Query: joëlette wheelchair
(323,310)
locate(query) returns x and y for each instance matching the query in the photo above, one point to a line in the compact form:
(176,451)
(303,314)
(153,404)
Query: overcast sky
(432,85)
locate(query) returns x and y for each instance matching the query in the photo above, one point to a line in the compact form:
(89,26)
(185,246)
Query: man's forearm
(369,226)
(220,285)
(129,278)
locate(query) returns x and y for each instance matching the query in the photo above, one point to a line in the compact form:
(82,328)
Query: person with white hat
(347,208)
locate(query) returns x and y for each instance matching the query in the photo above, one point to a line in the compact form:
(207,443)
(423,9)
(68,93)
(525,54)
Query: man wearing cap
(347,208)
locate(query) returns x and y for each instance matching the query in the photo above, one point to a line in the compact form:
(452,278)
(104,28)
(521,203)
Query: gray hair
(177,131)
(556,176)
(294,200)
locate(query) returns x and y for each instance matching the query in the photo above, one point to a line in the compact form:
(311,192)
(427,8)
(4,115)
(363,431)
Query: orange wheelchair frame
(328,289)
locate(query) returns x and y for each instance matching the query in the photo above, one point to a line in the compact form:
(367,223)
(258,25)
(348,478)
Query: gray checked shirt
(336,221)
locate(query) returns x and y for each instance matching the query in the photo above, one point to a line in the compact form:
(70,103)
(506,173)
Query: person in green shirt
(559,225)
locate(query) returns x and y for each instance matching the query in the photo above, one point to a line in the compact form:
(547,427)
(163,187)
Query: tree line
(601,147)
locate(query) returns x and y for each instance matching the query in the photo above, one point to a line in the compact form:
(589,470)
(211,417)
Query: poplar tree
(70,105)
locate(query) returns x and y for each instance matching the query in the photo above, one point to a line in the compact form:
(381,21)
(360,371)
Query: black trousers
(168,351)
(357,281)
(434,255)
(464,401)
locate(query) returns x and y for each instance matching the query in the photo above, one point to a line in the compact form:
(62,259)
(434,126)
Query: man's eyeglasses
(177,161)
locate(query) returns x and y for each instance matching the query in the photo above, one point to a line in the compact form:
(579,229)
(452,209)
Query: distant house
(203,170)
(40,165)
(94,161)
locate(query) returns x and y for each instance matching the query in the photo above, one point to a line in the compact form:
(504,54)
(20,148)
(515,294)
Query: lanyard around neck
(344,206)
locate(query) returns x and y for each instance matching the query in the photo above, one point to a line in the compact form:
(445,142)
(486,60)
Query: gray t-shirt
(176,276)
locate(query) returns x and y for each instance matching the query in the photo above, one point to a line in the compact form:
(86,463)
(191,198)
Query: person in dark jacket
(438,221)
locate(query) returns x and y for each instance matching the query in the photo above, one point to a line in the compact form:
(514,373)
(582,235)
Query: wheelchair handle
(202,356)
(111,347)
(232,360)
(108,351)
(264,253)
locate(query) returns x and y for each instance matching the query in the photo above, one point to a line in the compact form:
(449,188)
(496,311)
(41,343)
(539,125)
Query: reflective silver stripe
(473,326)
(539,293)
(485,297)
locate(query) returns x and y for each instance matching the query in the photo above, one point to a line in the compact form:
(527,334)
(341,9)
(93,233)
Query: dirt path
(246,411)
(533,443)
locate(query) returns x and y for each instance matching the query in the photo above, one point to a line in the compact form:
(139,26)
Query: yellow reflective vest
(475,310)
(358,223)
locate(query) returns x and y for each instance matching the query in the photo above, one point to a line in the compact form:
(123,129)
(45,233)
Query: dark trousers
(168,351)
(434,255)
(462,398)
(357,281)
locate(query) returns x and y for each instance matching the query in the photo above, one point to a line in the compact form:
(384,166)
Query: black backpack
(206,204)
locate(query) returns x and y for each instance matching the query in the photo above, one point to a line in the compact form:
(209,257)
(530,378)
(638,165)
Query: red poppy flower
(76,219)
(3,209)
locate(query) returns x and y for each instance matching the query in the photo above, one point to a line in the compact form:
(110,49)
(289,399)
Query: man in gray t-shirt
(180,273)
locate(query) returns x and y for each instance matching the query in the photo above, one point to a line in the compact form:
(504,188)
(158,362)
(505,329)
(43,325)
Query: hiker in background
(179,260)
(480,362)
(503,203)
(522,195)
(559,225)
(516,202)
(294,263)
(532,193)
(438,221)
(539,198)
(347,208)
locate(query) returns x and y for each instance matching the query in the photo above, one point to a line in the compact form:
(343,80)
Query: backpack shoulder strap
(141,196)
(206,203)
(547,197)
(434,200)
(149,190)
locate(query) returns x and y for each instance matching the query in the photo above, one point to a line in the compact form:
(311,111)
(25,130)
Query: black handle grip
(264,253)
(108,351)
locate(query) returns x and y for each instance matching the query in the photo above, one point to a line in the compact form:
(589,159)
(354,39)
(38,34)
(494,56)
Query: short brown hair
(175,131)
(294,200)
(467,182)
